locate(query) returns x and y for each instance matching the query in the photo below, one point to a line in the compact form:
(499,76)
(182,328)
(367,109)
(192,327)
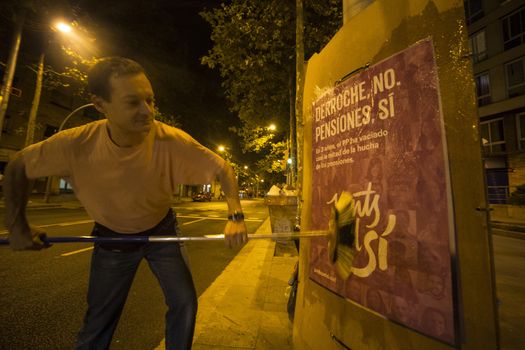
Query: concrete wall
(380,30)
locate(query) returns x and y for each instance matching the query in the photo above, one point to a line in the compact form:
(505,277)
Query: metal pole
(36,102)
(10,70)
(167,239)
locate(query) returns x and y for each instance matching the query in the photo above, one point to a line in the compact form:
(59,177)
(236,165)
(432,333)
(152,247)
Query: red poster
(379,136)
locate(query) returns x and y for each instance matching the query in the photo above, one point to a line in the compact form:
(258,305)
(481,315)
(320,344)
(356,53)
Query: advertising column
(379,136)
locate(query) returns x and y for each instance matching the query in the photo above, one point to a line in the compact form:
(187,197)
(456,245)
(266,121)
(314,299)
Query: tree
(254,50)
(260,140)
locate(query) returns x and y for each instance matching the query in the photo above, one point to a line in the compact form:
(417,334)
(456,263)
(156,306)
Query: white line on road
(77,251)
(62,224)
(80,222)
(198,218)
(214,218)
(194,221)
(90,248)
(71,223)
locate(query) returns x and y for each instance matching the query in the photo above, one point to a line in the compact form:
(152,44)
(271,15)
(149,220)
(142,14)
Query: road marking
(77,251)
(214,218)
(71,223)
(62,224)
(194,221)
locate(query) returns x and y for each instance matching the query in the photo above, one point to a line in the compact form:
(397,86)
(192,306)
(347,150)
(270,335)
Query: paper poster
(379,136)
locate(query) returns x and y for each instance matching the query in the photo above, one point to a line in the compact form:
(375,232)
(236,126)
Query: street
(43,293)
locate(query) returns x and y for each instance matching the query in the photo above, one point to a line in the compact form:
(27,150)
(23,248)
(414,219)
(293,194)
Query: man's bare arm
(235,231)
(16,188)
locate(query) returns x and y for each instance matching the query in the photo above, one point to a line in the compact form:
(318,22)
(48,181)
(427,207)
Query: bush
(518,197)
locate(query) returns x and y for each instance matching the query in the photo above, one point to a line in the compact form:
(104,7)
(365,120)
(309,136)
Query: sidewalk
(245,307)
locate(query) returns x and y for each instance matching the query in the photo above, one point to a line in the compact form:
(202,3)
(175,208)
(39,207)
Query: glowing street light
(272,127)
(63,27)
(221,148)
(31,123)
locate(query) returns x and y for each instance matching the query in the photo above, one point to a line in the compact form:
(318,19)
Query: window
(483,89)
(492,136)
(478,46)
(514,29)
(520,121)
(515,78)
(473,10)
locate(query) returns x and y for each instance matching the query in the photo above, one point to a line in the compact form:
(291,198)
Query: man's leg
(168,265)
(110,279)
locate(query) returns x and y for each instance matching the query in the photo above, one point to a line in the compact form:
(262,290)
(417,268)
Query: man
(124,170)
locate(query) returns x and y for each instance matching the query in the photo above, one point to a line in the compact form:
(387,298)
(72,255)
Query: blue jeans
(111,275)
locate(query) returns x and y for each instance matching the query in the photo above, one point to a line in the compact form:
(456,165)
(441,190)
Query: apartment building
(56,103)
(497,38)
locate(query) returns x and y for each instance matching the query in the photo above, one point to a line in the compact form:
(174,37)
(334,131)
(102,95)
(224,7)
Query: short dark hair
(107,67)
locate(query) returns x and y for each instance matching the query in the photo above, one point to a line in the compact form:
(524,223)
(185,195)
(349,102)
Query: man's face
(131,106)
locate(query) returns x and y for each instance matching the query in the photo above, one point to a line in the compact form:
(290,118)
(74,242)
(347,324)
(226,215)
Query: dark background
(166,37)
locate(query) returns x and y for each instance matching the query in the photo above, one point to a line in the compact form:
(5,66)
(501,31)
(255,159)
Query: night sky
(168,37)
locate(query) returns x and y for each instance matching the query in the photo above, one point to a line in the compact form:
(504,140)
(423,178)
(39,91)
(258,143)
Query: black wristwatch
(236,216)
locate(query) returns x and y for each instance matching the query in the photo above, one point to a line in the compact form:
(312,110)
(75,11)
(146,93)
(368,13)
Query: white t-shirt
(127,189)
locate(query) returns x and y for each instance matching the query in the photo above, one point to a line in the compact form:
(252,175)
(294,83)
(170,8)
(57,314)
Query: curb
(508,226)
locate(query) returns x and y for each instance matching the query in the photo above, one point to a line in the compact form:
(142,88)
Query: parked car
(202,197)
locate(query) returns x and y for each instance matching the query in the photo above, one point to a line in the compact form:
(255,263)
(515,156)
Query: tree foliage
(262,141)
(254,50)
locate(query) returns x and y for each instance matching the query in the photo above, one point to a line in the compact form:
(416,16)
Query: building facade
(56,103)
(497,38)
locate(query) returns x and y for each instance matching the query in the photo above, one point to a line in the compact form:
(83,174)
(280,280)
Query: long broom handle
(160,239)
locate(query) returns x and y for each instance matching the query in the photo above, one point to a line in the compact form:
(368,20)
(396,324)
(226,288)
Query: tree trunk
(36,102)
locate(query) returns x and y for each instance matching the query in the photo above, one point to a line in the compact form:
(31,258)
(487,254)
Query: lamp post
(62,28)
(50,178)
(7,80)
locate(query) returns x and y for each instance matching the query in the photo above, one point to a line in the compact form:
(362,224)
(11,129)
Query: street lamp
(50,178)
(65,29)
